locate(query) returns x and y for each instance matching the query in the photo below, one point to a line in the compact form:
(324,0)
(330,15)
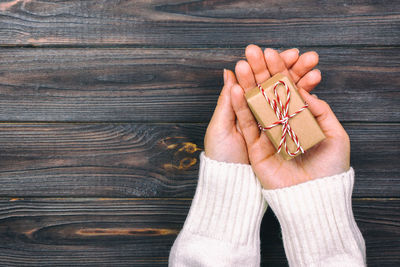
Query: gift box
(283,115)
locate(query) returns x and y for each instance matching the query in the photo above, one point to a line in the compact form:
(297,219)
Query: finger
(247,123)
(275,63)
(223,111)
(255,58)
(290,57)
(306,62)
(229,81)
(310,80)
(324,115)
(245,75)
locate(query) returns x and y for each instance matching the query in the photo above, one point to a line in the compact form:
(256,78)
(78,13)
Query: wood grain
(165,23)
(175,85)
(152,160)
(102,99)
(122,232)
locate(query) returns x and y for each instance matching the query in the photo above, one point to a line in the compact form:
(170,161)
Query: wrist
(222,156)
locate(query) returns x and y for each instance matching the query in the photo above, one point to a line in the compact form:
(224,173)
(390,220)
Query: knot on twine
(282,113)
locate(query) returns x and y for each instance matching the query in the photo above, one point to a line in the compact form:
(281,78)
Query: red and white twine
(282,113)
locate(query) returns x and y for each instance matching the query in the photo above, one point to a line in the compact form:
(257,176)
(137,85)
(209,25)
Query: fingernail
(298,51)
(225,76)
(314,95)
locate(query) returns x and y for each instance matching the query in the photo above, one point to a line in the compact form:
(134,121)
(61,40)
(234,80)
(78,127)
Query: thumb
(324,115)
(224,110)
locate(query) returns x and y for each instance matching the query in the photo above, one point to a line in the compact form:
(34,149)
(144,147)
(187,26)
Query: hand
(223,140)
(331,156)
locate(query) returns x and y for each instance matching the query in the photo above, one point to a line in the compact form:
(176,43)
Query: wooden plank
(82,232)
(175,85)
(176,23)
(152,160)
(375,220)
(369,156)
(122,232)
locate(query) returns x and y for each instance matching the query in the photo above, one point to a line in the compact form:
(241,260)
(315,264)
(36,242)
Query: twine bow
(282,113)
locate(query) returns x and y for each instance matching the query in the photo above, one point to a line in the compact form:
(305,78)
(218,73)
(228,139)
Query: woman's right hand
(330,157)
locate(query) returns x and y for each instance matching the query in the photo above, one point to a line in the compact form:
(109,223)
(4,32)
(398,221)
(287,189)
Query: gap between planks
(12,199)
(155,47)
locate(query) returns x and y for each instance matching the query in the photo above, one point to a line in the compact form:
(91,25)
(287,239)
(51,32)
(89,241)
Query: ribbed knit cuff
(317,222)
(228,204)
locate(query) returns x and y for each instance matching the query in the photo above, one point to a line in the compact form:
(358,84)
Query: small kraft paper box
(302,128)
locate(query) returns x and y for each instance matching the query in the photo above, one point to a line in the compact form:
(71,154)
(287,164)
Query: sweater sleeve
(317,222)
(223,224)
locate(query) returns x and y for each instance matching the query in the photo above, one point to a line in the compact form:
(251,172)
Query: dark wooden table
(104,105)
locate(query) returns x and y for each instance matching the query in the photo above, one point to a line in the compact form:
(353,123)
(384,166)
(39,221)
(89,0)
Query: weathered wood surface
(152,160)
(175,85)
(142,78)
(163,23)
(126,232)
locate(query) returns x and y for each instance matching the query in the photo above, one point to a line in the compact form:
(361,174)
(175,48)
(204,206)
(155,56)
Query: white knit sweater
(223,225)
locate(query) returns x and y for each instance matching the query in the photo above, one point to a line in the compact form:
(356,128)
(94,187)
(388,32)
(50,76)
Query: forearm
(317,222)
(223,225)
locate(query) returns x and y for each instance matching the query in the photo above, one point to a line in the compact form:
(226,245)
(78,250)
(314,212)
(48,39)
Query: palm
(223,139)
(327,158)
(322,160)
(225,144)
